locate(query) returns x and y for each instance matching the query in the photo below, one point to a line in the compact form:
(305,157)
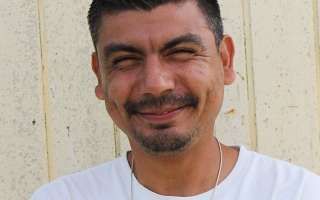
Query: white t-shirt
(254,177)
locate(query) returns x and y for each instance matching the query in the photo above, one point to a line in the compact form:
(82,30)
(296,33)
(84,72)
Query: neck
(186,173)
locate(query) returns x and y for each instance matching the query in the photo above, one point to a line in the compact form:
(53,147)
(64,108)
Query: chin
(165,141)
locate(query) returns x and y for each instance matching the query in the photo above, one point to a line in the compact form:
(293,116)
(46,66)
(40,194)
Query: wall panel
(285,80)
(80,131)
(232,125)
(317,57)
(23,165)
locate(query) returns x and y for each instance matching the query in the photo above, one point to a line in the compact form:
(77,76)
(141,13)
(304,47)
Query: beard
(162,138)
(163,141)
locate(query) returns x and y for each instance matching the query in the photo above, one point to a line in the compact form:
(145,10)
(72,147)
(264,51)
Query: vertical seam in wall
(45,84)
(246,11)
(117,142)
(316,16)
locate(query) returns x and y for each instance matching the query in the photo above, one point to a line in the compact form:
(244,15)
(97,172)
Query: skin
(188,67)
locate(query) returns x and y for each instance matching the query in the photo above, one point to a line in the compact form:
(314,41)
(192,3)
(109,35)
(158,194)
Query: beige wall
(51,124)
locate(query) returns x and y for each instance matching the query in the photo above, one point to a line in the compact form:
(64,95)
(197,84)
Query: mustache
(150,101)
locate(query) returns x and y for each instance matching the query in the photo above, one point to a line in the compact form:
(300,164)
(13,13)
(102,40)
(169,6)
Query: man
(161,68)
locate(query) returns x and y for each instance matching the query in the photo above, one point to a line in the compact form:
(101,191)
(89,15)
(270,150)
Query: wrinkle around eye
(182,50)
(126,65)
(124,61)
(186,56)
(181,54)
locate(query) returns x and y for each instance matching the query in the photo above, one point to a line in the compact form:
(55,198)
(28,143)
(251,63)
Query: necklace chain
(213,190)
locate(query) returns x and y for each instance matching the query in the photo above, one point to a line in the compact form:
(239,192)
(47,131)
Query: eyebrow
(116,47)
(187,38)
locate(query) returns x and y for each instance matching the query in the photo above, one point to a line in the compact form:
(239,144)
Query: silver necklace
(213,193)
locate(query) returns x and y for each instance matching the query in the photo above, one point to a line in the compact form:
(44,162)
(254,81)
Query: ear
(96,69)
(227,54)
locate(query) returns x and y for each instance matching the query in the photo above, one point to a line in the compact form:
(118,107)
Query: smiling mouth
(160,112)
(161,115)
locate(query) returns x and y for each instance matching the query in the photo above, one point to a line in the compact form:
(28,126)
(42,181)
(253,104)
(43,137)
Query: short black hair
(98,8)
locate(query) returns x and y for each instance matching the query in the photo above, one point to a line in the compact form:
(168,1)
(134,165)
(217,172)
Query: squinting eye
(182,51)
(181,54)
(124,61)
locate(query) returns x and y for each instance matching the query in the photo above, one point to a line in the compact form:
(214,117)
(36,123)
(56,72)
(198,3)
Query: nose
(157,79)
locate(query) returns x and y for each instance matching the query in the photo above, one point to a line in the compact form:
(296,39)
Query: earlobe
(227,54)
(99,92)
(95,68)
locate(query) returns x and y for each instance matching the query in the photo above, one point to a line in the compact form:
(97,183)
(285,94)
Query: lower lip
(162,117)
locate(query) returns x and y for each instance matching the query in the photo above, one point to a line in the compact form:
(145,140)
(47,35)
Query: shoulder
(311,190)
(283,178)
(54,190)
(91,181)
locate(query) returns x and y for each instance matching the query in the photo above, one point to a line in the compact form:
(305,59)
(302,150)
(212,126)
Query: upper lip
(161,110)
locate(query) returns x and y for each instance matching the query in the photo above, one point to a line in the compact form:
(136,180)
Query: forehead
(149,29)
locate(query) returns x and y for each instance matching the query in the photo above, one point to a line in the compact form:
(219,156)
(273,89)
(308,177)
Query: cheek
(203,78)
(206,82)
(117,91)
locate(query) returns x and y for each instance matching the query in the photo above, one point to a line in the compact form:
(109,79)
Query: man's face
(161,75)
